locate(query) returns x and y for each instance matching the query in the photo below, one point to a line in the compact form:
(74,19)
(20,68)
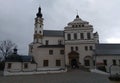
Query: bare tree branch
(6,47)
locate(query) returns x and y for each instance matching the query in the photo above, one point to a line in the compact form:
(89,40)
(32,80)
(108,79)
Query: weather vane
(39,5)
(77,11)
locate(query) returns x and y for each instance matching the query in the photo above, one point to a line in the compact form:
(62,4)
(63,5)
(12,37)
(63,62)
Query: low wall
(7,73)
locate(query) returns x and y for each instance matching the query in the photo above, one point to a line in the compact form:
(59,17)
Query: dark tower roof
(77,16)
(39,14)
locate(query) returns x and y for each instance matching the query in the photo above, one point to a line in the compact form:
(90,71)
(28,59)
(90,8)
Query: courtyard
(74,76)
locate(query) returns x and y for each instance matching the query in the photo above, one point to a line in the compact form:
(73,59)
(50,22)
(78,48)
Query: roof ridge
(108,44)
(53,30)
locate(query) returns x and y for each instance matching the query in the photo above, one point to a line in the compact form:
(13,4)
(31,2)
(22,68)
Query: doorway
(74,64)
(74,60)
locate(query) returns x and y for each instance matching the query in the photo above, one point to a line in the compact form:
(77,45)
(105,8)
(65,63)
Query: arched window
(87,62)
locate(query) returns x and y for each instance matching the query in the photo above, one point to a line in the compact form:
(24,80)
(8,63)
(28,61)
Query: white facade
(111,65)
(79,42)
(55,51)
(77,38)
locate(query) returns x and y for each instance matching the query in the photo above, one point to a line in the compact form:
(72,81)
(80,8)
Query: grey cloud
(17,17)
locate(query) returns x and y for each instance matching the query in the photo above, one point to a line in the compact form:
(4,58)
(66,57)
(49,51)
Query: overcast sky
(17,18)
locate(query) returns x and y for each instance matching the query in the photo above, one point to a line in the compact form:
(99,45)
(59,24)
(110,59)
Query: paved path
(75,76)
(1,73)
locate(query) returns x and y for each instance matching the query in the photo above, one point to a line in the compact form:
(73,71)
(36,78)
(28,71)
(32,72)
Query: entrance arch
(73,59)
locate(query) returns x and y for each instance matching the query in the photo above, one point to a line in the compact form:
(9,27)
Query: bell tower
(38,29)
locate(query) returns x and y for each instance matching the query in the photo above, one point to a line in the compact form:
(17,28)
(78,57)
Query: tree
(6,47)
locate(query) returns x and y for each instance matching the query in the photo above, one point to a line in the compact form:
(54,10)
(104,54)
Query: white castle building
(52,51)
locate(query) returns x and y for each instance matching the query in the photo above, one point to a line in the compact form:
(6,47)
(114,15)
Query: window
(72,25)
(114,62)
(94,62)
(31,48)
(119,62)
(61,51)
(39,31)
(76,26)
(72,48)
(87,62)
(45,63)
(88,36)
(58,62)
(59,42)
(9,65)
(82,35)
(25,65)
(69,37)
(105,62)
(82,25)
(75,35)
(35,31)
(46,42)
(91,48)
(76,48)
(86,48)
(51,52)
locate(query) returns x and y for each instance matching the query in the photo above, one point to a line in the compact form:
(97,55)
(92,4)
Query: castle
(55,51)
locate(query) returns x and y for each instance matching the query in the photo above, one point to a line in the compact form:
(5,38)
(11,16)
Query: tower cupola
(38,30)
